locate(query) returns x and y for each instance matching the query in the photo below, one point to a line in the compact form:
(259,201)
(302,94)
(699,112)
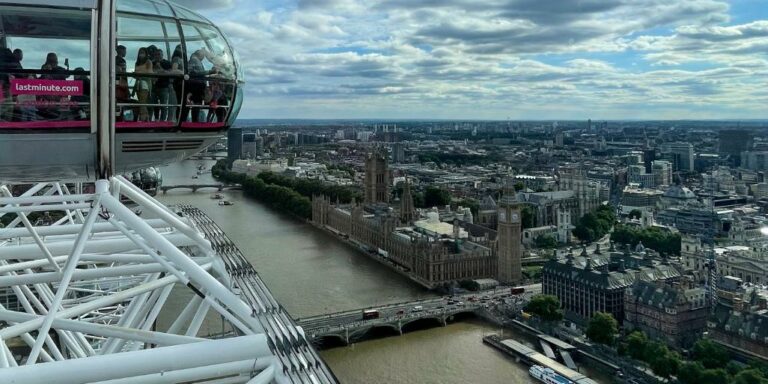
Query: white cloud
(496,58)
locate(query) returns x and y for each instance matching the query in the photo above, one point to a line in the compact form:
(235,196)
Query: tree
(602,328)
(546,307)
(710,354)
(472,204)
(653,349)
(277,196)
(759,365)
(418,200)
(545,241)
(635,214)
(658,239)
(532,272)
(690,373)
(749,376)
(528,216)
(595,225)
(519,186)
(733,368)
(636,344)
(436,197)
(666,363)
(713,376)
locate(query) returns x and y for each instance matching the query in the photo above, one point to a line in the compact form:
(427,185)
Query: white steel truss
(84,282)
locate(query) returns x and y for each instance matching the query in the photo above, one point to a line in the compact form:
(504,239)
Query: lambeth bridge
(395,319)
(194,187)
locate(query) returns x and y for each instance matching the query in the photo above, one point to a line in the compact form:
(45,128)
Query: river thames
(310,273)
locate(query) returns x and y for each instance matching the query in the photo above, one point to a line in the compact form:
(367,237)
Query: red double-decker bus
(369,314)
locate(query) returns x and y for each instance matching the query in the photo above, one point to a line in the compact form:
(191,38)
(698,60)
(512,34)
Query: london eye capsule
(92,88)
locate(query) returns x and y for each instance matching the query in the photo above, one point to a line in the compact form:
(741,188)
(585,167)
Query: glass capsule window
(172,72)
(44,69)
(173,69)
(149,68)
(150,7)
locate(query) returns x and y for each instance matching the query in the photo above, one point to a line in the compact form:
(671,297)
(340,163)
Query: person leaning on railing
(143,85)
(161,90)
(196,84)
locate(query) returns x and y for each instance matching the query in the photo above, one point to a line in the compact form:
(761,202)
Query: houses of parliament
(434,248)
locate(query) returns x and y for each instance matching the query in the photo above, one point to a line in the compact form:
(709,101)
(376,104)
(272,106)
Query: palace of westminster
(441,246)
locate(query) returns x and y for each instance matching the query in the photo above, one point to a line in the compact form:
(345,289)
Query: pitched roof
(488,203)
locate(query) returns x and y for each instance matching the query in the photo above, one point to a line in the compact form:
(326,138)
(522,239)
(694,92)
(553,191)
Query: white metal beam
(105,330)
(139,363)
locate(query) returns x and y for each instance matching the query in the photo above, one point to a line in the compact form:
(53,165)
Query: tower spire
(407,210)
(509,243)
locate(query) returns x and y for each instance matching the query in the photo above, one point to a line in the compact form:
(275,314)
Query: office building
(662,173)
(740,319)
(755,160)
(681,156)
(675,313)
(636,174)
(733,142)
(588,284)
(234,145)
(252,146)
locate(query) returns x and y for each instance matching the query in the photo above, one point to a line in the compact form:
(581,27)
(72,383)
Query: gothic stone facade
(431,261)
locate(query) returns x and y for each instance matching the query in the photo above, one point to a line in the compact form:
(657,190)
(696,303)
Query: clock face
(502,216)
(515,217)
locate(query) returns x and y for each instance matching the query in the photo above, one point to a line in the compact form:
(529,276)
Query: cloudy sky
(499,59)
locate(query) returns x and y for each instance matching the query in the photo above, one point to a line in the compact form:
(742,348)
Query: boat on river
(547,375)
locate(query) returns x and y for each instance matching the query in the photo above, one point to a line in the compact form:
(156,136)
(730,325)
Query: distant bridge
(194,187)
(208,156)
(396,324)
(349,326)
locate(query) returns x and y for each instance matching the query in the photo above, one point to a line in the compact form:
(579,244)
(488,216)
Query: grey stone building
(675,313)
(588,284)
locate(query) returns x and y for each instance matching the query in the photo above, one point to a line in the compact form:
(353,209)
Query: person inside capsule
(197,83)
(142,86)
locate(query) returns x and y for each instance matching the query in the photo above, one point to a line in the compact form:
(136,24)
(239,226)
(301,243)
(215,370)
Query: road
(409,309)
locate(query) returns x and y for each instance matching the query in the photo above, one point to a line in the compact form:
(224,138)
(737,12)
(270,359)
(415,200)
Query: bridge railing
(384,320)
(385,306)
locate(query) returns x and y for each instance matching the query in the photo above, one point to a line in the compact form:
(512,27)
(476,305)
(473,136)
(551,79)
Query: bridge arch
(377,331)
(330,341)
(459,316)
(422,323)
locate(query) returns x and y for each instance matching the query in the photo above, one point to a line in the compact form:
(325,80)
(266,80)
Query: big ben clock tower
(509,240)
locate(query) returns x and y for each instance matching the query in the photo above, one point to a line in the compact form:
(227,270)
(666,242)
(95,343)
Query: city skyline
(499,59)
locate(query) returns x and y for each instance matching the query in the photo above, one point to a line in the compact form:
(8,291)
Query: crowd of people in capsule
(151,93)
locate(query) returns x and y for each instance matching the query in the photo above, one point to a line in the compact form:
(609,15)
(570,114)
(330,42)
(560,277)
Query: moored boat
(547,375)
